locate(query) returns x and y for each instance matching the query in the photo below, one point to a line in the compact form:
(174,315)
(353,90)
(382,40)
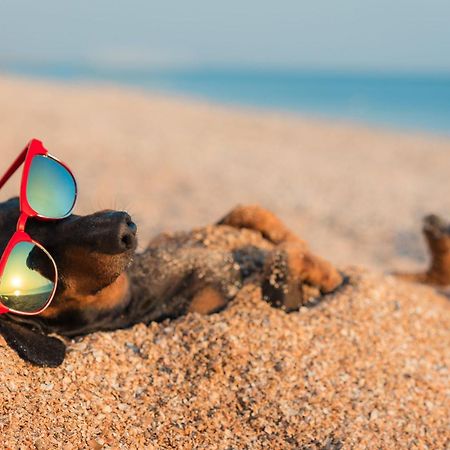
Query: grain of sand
(366,368)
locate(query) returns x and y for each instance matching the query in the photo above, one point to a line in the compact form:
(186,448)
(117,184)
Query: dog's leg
(437,235)
(259,219)
(290,264)
(288,267)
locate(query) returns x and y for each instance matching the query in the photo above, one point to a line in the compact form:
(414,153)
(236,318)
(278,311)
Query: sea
(418,102)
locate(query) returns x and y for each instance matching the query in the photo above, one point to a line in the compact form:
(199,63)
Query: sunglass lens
(51,188)
(28,279)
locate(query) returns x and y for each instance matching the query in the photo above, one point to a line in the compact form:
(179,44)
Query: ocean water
(396,101)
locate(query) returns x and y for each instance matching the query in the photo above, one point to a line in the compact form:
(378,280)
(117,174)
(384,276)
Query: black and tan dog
(105,285)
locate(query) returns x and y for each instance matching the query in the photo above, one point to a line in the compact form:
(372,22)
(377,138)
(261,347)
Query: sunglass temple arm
(14,166)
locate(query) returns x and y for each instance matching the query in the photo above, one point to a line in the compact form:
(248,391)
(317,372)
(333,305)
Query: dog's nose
(126,232)
(120,233)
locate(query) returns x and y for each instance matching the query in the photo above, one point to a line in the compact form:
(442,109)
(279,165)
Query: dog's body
(104,285)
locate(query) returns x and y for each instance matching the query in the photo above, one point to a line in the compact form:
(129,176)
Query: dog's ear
(36,348)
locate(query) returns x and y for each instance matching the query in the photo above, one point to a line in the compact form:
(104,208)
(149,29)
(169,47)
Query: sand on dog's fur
(367,368)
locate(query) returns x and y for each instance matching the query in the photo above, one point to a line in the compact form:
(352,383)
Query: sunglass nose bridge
(21,223)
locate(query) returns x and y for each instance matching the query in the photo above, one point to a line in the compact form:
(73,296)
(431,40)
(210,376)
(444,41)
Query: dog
(103,284)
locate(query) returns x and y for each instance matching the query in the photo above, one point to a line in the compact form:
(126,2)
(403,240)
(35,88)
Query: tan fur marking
(206,301)
(108,298)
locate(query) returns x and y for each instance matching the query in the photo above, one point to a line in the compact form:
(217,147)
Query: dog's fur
(105,285)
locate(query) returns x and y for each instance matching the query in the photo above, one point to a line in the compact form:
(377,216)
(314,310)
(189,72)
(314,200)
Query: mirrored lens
(28,279)
(51,189)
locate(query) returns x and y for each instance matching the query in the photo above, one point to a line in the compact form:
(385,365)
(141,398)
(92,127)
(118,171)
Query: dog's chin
(96,280)
(104,285)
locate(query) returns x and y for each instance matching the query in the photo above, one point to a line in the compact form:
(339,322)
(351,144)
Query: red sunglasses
(28,273)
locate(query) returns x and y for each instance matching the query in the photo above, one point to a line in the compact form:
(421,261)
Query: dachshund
(104,284)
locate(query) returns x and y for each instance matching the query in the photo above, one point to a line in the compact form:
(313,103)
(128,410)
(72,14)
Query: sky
(381,35)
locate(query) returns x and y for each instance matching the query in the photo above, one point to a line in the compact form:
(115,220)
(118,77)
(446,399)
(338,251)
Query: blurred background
(334,114)
(378,62)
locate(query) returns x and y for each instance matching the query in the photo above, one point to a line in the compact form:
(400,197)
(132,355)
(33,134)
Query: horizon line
(13,64)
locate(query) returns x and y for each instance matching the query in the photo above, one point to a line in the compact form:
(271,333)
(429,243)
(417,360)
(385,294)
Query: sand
(367,368)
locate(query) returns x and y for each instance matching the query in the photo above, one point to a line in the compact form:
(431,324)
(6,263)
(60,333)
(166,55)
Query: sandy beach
(367,368)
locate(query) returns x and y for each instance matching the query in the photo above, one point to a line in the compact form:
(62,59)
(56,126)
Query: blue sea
(395,101)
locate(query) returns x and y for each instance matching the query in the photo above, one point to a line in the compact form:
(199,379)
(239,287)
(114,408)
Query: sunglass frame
(33,148)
